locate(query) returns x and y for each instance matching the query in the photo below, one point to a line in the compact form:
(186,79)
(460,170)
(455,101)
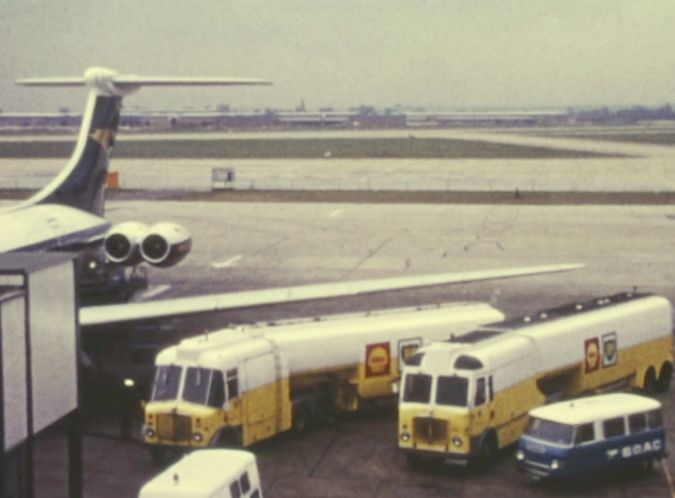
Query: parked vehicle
(209,473)
(461,400)
(240,386)
(589,436)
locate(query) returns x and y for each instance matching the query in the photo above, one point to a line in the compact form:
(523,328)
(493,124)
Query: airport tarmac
(246,245)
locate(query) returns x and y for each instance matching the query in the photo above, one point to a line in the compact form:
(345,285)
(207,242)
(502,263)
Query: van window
(614,427)
(480,392)
(654,419)
(585,433)
(245,483)
(637,422)
(234,489)
(417,388)
(548,430)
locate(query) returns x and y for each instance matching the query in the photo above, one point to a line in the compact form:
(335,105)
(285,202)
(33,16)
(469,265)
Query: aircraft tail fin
(81,184)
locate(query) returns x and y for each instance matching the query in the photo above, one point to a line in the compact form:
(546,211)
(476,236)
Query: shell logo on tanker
(592,348)
(378,359)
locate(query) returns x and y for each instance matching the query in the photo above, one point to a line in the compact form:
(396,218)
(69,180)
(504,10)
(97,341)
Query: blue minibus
(588,436)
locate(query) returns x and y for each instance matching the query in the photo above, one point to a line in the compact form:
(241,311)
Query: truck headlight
(197,437)
(520,455)
(557,464)
(149,432)
(405,437)
(457,441)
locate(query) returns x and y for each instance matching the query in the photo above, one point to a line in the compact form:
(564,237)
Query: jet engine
(165,244)
(122,243)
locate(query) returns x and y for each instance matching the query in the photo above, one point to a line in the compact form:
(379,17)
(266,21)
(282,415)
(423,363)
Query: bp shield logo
(610,350)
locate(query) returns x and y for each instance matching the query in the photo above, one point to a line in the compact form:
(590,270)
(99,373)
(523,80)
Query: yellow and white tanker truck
(239,386)
(463,399)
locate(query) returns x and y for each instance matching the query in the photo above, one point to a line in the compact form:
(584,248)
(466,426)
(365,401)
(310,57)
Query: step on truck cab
(589,436)
(209,473)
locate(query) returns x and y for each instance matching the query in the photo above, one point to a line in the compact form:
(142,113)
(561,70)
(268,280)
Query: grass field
(666,138)
(395,148)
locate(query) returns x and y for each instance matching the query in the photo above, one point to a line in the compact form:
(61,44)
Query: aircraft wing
(113,313)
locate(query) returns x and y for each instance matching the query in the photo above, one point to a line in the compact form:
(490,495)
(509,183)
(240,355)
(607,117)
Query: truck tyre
(665,376)
(486,453)
(229,438)
(649,385)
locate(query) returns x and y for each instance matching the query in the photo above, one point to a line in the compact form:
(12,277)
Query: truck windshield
(452,391)
(204,386)
(167,380)
(553,432)
(417,388)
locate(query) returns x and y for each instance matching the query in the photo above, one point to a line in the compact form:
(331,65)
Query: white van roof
(600,407)
(200,473)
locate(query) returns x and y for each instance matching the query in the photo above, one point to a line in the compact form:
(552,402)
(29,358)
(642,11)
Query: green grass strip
(396,148)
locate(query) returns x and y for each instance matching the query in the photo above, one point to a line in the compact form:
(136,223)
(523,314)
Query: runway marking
(150,293)
(335,213)
(227,263)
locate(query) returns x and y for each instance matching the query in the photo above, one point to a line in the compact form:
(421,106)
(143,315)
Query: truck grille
(430,430)
(173,426)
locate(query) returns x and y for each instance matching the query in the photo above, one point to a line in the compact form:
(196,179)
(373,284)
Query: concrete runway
(241,246)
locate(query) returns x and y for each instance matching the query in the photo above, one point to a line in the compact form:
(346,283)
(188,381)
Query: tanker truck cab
(589,436)
(439,407)
(454,399)
(206,387)
(212,473)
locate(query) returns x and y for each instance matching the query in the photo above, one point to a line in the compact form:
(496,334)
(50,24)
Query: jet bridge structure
(39,344)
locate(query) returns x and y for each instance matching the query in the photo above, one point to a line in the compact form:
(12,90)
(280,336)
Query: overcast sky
(342,53)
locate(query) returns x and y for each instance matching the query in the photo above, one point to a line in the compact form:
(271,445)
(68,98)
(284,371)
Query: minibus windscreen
(452,391)
(167,380)
(553,432)
(417,388)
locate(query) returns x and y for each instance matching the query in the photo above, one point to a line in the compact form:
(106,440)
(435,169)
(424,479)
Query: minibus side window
(235,491)
(637,422)
(614,427)
(585,433)
(244,483)
(480,392)
(654,419)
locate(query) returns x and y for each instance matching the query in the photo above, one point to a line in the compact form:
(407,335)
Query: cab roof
(601,407)
(203,471)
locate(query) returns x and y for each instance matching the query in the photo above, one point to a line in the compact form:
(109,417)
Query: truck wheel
(229,438)
(487,452)
(649,385)
(665,376)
